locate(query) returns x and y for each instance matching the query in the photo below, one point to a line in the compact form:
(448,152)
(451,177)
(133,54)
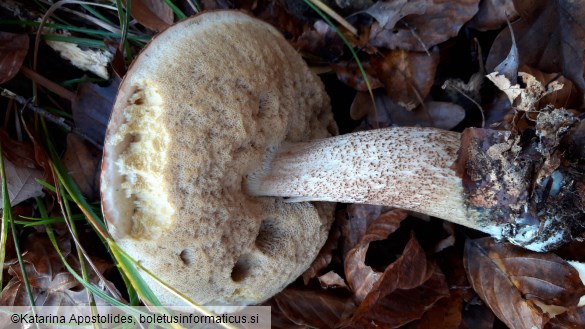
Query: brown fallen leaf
(13,50)
(407,288)
(19,153)
(572,319)
(517,284)
(321,41)
(442,115)
(388,13)
(82,161)
(316,308)
(92,107)
(492,15)
(288,19)
(154,14)
(549,36)
(420,32)
(21,181)
(51,283)
(406,76)
(278,319)
(362,279)
(359,218)
(444,315)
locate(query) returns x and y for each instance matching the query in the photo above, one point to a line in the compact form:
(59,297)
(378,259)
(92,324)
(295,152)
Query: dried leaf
(13,50)
(320,41)
(22,184)
(408,287)
(509,66)
(388,13)
(511,280)
(568,97)
(574,318)
(332,280)
(361,278)
(524,99)
(441,115)
(19,153)
(316,308)
(420,32)
(407,77)
(92,107)
(360,217)
(444,315)
(82,161)
(51,283)
(349,73)
(154,14)
(492,15)
(550,37)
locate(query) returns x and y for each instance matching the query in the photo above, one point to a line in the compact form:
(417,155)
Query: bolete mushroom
(219,119)
(195,114)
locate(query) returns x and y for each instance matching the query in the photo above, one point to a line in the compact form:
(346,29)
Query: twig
(48,116)
(50,85)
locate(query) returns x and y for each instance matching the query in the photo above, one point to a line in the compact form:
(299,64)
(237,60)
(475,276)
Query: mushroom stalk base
(407,168)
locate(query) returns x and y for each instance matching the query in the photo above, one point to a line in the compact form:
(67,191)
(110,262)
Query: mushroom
(220,136)
(194,115)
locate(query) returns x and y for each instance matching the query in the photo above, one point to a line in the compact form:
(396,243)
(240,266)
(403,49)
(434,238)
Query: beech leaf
(512,281)
(362,278)
(316,308)
(408,287)
(419,32)
(493,14)
(13,50)
(558,24)
(82,162)
(21,181)
(154,14)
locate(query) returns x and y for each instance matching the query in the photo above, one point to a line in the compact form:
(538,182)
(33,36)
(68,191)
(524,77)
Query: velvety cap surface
(200,110)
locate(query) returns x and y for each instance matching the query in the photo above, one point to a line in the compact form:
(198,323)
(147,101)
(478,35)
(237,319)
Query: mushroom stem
(482,179)
(408,168)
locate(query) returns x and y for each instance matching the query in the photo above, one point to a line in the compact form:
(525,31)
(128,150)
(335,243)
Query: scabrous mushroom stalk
(420,169)
(408,168)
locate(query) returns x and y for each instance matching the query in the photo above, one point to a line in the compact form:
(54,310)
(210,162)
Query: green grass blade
(95,290)
(73,230)
(7,217)
(347,43)
(126,264)
(175,9)
(76,40)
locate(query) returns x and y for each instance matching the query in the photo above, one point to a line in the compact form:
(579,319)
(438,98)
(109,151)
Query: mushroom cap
(202,107)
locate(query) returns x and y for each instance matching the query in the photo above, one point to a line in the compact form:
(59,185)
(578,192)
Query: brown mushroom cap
(200,109)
